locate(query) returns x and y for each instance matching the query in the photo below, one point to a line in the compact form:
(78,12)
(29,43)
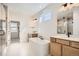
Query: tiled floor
(19,49)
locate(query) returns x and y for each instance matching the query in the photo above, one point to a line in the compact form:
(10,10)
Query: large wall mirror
(65,23)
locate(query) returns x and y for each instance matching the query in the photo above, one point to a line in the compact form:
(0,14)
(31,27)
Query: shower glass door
(2,36)
(3,27)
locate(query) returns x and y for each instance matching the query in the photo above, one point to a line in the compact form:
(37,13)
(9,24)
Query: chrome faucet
(68,34)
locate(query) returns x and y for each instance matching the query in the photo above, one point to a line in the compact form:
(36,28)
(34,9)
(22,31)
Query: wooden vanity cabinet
(62,47)
(69,51)
(55,49)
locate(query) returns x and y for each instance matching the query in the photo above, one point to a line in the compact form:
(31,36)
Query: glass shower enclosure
(3,27)
(2,36)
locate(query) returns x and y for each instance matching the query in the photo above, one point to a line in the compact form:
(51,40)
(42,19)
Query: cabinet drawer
(69,51)
(62,41)
(55,49)
(75,44)
(52,39)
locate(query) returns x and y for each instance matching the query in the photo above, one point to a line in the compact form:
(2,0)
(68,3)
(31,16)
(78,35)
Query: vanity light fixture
(34,19)
(71,3)
(68,18)
(66,4)
(63,17)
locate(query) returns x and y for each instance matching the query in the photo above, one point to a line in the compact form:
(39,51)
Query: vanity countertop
(67,38)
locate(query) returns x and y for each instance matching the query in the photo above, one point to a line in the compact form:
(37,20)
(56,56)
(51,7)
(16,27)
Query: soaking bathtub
(40,47)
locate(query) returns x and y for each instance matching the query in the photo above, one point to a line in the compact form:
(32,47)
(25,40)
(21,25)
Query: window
(45,17)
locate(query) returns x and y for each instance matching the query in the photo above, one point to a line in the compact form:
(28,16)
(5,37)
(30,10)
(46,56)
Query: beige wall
(48,28)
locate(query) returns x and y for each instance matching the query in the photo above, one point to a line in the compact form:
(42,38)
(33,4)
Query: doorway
(15,31)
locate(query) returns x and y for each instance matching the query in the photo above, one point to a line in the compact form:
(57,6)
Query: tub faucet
(41,37)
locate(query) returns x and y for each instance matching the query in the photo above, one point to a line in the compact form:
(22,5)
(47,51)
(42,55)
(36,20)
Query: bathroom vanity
(64,46)
(68,25)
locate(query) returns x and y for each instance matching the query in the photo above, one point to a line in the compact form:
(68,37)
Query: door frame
(18,23)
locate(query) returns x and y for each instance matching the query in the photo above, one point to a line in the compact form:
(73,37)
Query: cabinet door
(69,51)
(55,49)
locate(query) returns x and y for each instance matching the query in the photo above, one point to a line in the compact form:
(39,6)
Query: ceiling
(27,8)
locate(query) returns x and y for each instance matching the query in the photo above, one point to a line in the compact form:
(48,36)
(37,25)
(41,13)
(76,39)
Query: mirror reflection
(65,23)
